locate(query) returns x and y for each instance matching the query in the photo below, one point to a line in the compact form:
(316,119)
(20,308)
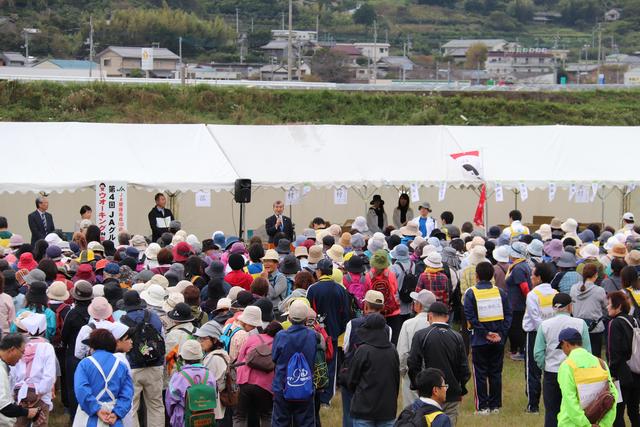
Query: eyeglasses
(445,386)
(21,350)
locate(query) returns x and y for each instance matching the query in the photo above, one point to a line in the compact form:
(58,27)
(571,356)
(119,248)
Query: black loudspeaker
(242,191)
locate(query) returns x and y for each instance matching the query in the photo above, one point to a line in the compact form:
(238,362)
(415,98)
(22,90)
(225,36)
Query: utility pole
(27,32)
(317,27)
(289,42)
(180,55)
(252,24)
(375,51)
(282,21)
(90,46)
(237,21)
(599,44)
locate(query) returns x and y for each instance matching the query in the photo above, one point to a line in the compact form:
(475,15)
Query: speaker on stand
(242,195)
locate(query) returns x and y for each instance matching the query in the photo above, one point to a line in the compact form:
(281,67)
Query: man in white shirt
(421,302)
(516,229)
(539,307)
(628,222)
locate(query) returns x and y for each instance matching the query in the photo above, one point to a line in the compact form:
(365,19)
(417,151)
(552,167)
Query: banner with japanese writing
(111,209)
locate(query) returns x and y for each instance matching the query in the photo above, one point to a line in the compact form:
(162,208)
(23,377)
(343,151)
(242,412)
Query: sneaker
(517,357)
(533,411)
(486,411)
(495,411)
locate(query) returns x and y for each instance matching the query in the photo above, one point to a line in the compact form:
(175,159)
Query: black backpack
(413,416)
(148,345)
(409,283)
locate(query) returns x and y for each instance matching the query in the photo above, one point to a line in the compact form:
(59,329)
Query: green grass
(512,413)
(205,104)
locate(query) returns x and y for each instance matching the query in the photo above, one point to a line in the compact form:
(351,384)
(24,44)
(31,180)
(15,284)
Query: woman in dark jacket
(619,348)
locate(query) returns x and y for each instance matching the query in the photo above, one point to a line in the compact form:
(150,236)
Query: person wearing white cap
(191,354)
(422,300)
(35,375)
(216,359)
(628,222)
(100,311)
(124,343)
(435,280)
(518,281)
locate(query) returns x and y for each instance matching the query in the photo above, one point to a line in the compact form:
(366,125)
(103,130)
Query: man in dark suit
(159,217)
(40,221)
(277,222)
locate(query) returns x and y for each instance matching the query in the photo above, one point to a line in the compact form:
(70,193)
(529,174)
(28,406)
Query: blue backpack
(227,333)
(299,385)
(289,285)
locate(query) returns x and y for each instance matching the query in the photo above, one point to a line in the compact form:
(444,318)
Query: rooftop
(14,56)
(136,52)
(71,64)
(466,43)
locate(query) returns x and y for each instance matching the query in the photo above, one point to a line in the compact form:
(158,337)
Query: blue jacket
(50,317)
(298,338)
(331,302)
(520,272)
(89,383)
(137,316)
(481,329)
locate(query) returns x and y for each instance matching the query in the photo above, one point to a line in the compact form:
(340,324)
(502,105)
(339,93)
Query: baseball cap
(424,297)
(561,300)
(570,335)
(628,216)
(298,311)
(374,297)
(425,205)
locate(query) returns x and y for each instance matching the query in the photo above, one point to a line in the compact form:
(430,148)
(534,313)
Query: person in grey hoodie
(590,304)
(301,281)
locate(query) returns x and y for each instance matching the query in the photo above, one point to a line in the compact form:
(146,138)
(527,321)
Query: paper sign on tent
(203,199)
(415,193)
(499,193)
(340,196)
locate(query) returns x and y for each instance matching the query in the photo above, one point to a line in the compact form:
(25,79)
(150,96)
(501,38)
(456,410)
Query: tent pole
(173,202)
(515,198)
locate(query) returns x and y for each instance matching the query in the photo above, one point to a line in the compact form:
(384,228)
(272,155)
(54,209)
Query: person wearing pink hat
(181,252)
(26,261)
(100,311)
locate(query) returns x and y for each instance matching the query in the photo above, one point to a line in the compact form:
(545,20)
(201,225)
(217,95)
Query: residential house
(612,15)
(302,41)
(582,73)
(355,61)
(121,61)
(12,59)
(224,71)
(397,65)
(632,77)
(520,62)
(278,72)
(457,49)
(633,61)
(66,64)
(373,51)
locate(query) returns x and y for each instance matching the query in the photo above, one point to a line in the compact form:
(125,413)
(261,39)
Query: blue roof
(73,64)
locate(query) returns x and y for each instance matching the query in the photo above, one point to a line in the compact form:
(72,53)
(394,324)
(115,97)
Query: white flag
(340,196)
(499,193)
(442,191)
(415,194)
(630,188)
(524,192)
(572,191)
(552,191)
(594,191)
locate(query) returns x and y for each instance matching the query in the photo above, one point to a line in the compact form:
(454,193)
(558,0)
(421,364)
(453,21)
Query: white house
(457,49)
(375,51)
(612,15)
(522,61)
(278,72)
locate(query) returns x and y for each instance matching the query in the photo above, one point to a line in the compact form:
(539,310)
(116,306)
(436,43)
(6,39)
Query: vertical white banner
(572,191)
(111,209)
(524,192)
(306,189)
(292,197)
(442,191)
(594,191)
(553,189)
(415,193)
(499,193)
(340,196)
(582,194)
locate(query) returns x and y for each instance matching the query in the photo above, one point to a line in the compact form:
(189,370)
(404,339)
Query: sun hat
(96,247)
(345,240)
(271,255)
(633,257)
(417,242)
(132,301)
(400,252)
(289,264)
(298,311)
(501,253)
(309,233)
(210,329)
(335,230)
(37,293)
(476,241)
(32,323)
(336,253)
(98,290)
(284,247)
(181,313)
(218,238)
(243,299)
(101,264)
(355,265)
(234,292)
(518,250)
(223,304)
(172,299)
(152,251)
(100,309)
(434,260)
(589,251)
(553,248)
(618,251)
(535,248)
(112,268)
(424,297)
(301,251)
(54,252)
(426,250)
(238,248)
(587,236)
(611,241)
(374,297)
(556,223)
(181,252)
(57,291)
(544,232)
(82,291)
(35,275)
(191,350)
(154,295)
(567,260)
(16,241)
(411,229)
(379,260)
(315,254)
(158,279)
(569,226)
(266,310)
(26,261)
(478,255)
(360,224)
(435,242)
(251,315)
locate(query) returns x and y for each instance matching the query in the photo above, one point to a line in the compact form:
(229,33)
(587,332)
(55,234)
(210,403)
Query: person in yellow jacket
(581,377)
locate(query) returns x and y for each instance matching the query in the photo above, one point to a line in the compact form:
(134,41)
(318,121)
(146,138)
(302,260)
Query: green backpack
(199,403)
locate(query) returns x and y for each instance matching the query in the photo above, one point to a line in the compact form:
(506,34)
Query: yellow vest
(589,382)
(635,294)
(546,303)
(431,417)
(488,304)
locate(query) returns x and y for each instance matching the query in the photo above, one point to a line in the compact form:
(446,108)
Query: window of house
(106,62)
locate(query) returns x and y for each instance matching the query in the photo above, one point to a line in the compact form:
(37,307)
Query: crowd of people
(172,330)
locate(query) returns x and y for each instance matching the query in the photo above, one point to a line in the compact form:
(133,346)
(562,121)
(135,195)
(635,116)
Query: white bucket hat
(252,315)
(154,295)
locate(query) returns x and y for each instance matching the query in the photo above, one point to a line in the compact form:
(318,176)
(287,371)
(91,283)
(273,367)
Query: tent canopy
(67,156)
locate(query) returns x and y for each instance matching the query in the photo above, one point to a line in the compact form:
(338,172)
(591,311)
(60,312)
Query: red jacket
(239,278)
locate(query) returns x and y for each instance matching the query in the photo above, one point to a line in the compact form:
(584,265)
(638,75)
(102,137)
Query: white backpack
(634,360)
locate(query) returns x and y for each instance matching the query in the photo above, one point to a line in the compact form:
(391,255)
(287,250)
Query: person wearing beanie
(374,375)
(100,312)
(381,278)
(296,339)
(237,276)
(549,357)
(331,302)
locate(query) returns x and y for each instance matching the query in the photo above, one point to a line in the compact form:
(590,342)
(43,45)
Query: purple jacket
(177,391)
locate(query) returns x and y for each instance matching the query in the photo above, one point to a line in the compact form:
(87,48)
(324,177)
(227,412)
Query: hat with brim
(553,248)
(271,255)
(37,293)
(434,260)
(251,315)
(32,323)
(355,265)
(315,254)
(82,291)
(336,253)
(618,251)
(100,309)
(501,254)
(172,299)
(535,247)
(379,260)
(476,241)
(284,247)
(154,295)
(58,291)
(633,257)
(301,251)
(567,260)
(589,251)
(417,242)
(411,229)
(210,329)
(181,313)
(518,250)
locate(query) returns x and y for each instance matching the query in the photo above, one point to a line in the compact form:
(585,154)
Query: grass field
(512,413)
